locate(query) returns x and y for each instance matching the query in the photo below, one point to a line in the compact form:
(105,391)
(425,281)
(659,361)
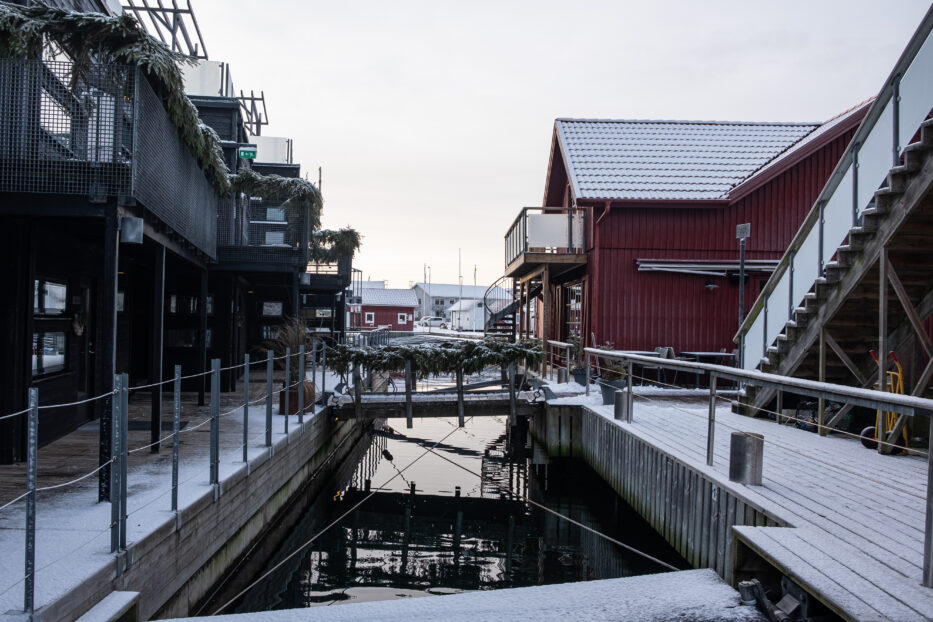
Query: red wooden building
(636,242)
(391,308)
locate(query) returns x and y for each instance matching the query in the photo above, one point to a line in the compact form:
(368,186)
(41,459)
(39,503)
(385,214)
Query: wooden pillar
(821,412)
(202,337)
(546,315)
(108,345)
(881,432)
(527,309)
(155,345)
(16,309)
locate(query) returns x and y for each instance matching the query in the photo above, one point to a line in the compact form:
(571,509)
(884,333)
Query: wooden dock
(842,522)
(478,404)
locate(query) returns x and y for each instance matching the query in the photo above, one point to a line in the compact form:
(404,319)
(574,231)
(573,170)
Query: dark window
(49,298)
(48,352)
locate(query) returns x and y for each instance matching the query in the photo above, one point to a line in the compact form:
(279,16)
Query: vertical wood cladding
(640,311)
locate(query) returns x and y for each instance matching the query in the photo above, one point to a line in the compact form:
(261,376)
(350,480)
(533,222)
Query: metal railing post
(176,425)
(323,368)
(288,386)
(855,150)
(301,384)
(245,407)
(629,415)
(567,354)
(822,227)
(124,438)
(268,398)
(357,392)
(928,527)
(32,440)
(513,407)
(711,423)
(790,287)
(550,360)
(460,419)
(215,421)
(587,373)
(408,406)
(114,464)
(896,118)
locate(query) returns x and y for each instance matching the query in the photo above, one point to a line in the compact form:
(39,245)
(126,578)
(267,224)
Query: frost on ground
(687,596)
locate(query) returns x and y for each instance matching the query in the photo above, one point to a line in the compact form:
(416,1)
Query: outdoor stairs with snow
(844,302)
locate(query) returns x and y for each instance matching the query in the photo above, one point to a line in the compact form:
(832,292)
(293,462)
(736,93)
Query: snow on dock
(695,595)
(855,517)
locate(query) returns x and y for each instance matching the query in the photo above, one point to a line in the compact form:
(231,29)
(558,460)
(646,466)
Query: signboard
(323,313)
(272,309)
(248,152)
(743,231)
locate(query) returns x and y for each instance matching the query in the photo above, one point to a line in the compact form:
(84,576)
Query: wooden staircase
(844,309)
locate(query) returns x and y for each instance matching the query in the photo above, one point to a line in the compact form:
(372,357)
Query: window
(275,214)
(181,337)
(270,332)
(275,237)
(452,301)
(370,317)
(49,297)
(48,352)
(272,309)
(401,318)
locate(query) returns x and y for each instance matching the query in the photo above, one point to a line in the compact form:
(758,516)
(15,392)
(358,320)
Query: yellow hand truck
(894,384)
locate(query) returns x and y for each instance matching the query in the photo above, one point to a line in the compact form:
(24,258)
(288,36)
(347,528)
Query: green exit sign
(247,152)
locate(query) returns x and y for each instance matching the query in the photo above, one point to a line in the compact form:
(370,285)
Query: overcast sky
(433,120)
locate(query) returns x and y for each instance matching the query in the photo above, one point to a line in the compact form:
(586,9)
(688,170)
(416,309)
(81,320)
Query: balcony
(100,135)
(327,276)
(260,236)
(545,236)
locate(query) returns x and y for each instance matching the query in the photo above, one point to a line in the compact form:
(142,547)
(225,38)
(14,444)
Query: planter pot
(308,388)
(579,375)
(609,388)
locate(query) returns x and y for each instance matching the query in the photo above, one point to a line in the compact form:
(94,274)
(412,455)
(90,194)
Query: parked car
(437,322)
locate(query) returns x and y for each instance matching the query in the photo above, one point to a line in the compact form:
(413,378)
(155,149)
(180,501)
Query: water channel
(457,531)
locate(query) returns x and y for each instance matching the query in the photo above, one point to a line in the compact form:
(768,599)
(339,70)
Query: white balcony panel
(778,303)
(753,343)
(838,217)
(273,149)
(875,157)
(916,93)
(209,78)
(806,266)
(547,230)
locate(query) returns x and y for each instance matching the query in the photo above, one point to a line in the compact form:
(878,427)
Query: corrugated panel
(640,311)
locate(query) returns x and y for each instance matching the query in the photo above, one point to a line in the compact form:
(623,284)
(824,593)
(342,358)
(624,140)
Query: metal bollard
(114,464)
(268,398)
(245,407)
(124,440)
(460,418)
(215,421)
(711,422)
(32,441)
(562,375)
(408,406)
(301,385)
(176,425)
(587,373)
(288,386)
(619,406)
(513,405)
(746,455)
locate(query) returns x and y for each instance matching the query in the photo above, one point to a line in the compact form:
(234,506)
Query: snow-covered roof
(390,297)
(669,160)
(466,305)
(373,285)
(445,290)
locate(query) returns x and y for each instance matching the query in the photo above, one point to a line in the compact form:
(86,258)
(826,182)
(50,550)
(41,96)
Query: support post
(780,406)
(546,304)
(124,434)
(357,392)
(323,368)
(301,384)
(202,337)
(880,432)
(513,406)
(215,422)
(741,281)
(288,386)
(587,373)
(114,466)
(711,421)
(460,419)
(176,428)
(245,407)
(32,440)
(408,414)
(155,347)
(108,352)
(821,403)
(928,523)
(268,398)
(630,396)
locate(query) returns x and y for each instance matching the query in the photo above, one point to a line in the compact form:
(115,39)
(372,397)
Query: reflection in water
(455,531)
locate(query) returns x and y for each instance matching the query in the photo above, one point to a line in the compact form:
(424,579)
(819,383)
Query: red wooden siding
(388,316)
(640,311)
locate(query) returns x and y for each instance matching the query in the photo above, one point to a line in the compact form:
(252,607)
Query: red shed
(636,244)
(392,308)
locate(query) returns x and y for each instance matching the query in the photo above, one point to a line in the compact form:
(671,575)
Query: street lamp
(742,232)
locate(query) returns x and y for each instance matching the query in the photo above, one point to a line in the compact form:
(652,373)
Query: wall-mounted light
(710,285)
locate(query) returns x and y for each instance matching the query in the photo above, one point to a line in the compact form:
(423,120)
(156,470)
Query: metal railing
(902,105)
(100,133)
(561,352)
(558,230)
(906,405)
(253,230)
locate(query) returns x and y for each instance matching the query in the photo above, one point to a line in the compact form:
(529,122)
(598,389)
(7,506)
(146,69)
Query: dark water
(458,531)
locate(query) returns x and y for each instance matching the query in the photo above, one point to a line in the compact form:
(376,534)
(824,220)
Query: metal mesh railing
(167,179)
(253,230)
(62,133)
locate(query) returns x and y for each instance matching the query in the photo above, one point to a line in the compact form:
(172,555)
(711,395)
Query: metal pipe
(124,434)
(268,398)
(711,422)
(301,384)
(408,406)
(630,401)
(460,418)
(114,468)
(32,440)
(215,421)
(288,386)
(587,373)
(513,406)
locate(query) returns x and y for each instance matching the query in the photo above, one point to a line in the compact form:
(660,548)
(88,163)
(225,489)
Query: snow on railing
(902,105)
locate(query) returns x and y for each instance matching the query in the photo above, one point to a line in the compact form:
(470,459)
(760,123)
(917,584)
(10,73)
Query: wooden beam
(844,358)
(915,320)
(821,403)
(882,339)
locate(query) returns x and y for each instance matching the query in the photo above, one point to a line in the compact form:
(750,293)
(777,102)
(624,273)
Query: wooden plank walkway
(857,517)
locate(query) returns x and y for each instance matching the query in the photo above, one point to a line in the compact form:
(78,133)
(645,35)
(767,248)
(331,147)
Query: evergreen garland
(328,245)
(97,38)
(294,194)
(436,359)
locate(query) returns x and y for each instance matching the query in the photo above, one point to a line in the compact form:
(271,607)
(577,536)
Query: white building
(434,299)
(467,315)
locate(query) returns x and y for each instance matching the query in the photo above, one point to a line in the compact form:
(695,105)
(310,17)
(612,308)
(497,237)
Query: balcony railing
(253,231)
(103,133)
(548,230)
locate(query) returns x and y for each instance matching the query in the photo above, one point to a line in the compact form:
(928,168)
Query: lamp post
(742,232)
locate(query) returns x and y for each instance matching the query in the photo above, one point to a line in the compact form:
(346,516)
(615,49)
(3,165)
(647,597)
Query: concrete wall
(174,566)
(691,510)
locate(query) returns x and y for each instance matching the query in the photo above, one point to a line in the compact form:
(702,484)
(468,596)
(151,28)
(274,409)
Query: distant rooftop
(377,297)
(669,160)
(447,290)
